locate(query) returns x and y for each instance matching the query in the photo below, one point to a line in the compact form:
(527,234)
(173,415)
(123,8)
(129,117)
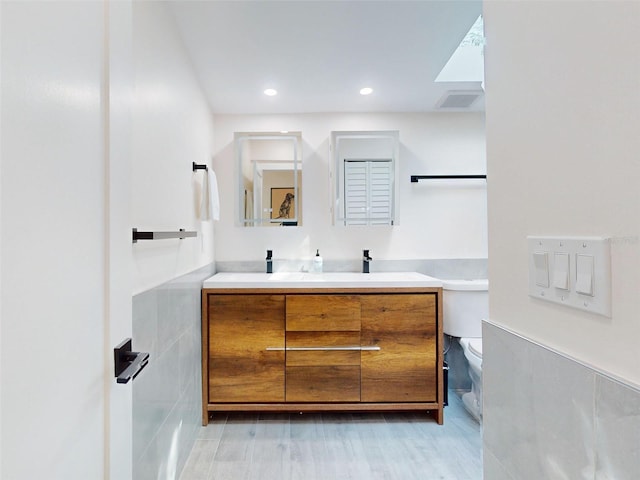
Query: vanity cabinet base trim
(432,407)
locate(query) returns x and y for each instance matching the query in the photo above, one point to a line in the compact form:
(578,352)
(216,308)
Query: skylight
(467,62)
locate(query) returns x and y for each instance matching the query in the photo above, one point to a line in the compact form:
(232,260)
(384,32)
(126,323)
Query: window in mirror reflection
(368,192)
(269,178)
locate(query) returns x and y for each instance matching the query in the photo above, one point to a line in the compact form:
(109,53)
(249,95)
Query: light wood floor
(331,446)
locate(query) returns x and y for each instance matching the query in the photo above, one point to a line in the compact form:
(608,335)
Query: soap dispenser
(317,262)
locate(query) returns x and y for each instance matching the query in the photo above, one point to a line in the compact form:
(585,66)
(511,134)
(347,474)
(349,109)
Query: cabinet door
(241,328)
(404,327)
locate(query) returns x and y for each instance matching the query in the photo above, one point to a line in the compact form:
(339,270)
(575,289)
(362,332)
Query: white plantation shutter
(380,198)
(368,192)
(355,193)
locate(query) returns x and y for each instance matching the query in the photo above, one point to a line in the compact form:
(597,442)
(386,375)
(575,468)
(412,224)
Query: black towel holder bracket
(197,166)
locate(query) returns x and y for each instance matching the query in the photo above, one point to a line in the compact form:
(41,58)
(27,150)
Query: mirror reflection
(365,168)
(269,178)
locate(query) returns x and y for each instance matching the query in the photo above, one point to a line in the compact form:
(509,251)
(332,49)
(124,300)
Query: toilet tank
(465,304)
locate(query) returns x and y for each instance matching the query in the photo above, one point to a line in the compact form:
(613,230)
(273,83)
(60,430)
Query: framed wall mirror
(269,166)
(364,172)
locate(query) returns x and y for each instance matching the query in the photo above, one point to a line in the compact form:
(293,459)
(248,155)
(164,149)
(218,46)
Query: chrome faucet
(365,261)
(269,261)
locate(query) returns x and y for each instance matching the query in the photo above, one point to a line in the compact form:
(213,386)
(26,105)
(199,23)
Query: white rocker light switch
(541,262)
(584,274)
(561,271)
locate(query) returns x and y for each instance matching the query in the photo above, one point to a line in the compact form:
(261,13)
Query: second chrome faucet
(269,261)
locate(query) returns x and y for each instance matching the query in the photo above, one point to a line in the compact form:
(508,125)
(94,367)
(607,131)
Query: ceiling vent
(459,99)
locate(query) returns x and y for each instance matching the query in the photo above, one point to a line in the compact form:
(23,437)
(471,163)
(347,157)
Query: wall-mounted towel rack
(161,235)
(197,166)
(416,178)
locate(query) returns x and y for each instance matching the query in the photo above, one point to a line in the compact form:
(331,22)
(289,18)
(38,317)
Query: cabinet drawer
(323,313)
(323,348)
(323,384)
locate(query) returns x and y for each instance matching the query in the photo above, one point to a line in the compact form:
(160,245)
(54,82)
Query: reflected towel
(214,197)
(209,197)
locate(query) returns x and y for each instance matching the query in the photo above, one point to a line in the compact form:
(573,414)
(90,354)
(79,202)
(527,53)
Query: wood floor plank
(271,455)
(215,428)
(200,459)
(308,449)
(237,441)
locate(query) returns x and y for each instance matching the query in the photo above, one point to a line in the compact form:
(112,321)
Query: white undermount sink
(320,280)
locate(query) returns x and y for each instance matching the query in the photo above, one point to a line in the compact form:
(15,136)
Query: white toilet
(466,303)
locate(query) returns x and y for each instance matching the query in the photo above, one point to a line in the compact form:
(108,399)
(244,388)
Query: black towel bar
(161,235)
(416,178)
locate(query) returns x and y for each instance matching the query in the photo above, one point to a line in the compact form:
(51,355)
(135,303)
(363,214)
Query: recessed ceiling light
(366,91)
(271,92)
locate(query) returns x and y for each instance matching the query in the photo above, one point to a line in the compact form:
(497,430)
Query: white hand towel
(204,209)
(209,207)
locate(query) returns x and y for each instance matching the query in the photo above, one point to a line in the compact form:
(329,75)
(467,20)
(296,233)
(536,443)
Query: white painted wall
(172,127)
(563,109)
(53,241)
(437,220)
(118,92)
(1,230)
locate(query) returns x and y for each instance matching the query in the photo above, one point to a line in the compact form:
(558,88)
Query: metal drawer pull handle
(321,349)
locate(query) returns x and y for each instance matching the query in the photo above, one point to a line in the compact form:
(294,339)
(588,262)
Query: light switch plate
(599,248)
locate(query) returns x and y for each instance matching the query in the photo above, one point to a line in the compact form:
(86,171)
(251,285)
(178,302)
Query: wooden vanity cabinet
(316,349)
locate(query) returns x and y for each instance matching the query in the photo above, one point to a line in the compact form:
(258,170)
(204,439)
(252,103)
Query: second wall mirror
(364,173)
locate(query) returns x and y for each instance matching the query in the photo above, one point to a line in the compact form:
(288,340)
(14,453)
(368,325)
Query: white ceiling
(318,54)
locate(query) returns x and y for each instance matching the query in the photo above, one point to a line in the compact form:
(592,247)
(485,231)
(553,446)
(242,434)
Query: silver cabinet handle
(321,349)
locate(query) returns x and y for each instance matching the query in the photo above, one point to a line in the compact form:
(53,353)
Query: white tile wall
(167,394)
(617,418)
(548,416)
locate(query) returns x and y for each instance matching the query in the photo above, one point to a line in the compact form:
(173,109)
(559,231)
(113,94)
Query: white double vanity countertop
(320,280)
